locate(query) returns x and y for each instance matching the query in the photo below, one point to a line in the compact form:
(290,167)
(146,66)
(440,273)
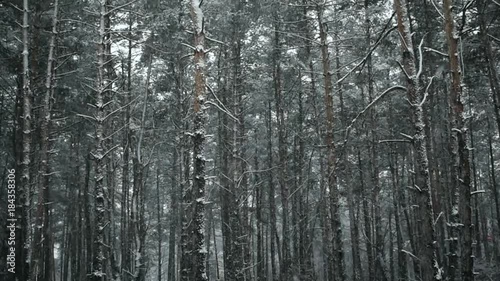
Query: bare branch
(437,219)
(426,93)
(16,7)
(394,140)
(120,108)
(363,61)
(224,108)
(437,10)
(120,6)
(375,101)
(410,254)
(477,192)
(407,136)
(435,51)
(189,46)
(494,38)
(221,109)
(110,150)
(86,116)
(404,71)
(420,58)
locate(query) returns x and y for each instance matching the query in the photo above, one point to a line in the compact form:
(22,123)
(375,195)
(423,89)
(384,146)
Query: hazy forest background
(196,140)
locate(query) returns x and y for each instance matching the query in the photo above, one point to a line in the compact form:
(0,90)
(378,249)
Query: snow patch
(198,16)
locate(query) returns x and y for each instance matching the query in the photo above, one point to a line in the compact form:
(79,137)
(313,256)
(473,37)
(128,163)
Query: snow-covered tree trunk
(461,221)
(426,249)
(192,238)
(99,154)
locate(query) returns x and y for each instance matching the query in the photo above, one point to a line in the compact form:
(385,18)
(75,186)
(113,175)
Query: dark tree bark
(426,251)
(490,57)
(494,190)
(285,261)
(42,248)
(125,241)
(193,253)
(336,259)
(460,154)
(23,204)
(99,155)
(396,193)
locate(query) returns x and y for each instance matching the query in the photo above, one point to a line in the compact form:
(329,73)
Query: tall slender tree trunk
(367,220)
(285,261)
(261,273)
(494,190)
(396,192)
(98,265)
(273,241)
(460,152)
(192,239)
(490,58)
(379,270)
(40,256)
(159,229)
(426,251)
(22,233)
(126,142)
(337,253)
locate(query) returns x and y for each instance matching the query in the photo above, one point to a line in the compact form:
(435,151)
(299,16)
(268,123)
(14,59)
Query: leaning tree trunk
(426,251)
(192,238)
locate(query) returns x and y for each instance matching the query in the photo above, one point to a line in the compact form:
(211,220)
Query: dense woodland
(266,140)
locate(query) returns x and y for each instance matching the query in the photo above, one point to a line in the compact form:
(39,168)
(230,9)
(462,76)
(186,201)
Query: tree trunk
(460,155)
(402,263)
(494,191)
(490,58)
(271,193)
(22,233)
(426,250)
(367,219)
(337,252)
(40,256)
(193,252)
(103,85)
(285,265)
(159,214)
(126,142)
